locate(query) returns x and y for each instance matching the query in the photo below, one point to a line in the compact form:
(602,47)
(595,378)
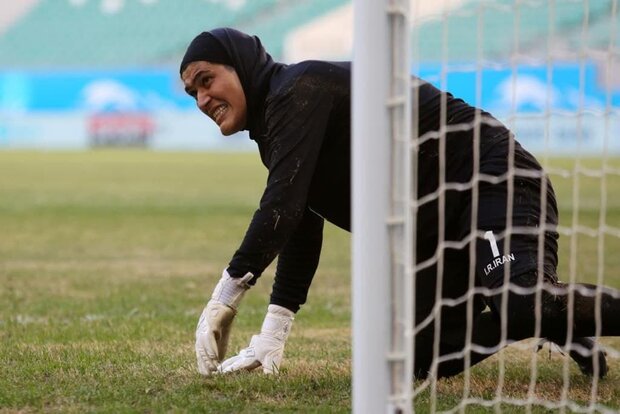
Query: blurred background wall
(77,74)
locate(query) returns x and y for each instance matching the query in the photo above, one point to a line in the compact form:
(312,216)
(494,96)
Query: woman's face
(218,93)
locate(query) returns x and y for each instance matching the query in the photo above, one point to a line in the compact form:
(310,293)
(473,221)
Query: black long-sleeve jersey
(304,140)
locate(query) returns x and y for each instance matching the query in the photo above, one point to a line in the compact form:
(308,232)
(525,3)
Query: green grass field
(107,258)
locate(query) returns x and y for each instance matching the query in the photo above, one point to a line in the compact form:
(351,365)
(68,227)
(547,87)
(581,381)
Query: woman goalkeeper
(299,116)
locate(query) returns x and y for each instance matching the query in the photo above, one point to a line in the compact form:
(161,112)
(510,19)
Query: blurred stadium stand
(487,29)
(113,33)
(83,73)
(89,73)
(136,33)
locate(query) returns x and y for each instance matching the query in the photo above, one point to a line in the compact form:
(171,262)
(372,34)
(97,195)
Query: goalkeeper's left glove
(214,326)
(267,348)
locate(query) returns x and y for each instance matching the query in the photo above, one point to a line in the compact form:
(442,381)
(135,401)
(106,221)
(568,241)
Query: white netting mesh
(549,70)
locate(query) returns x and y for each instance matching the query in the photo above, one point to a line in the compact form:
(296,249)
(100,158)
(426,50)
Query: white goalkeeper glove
(215,322)
(267,348)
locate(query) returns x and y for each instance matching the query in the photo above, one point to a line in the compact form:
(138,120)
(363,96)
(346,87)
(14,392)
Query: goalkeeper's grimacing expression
(218,93)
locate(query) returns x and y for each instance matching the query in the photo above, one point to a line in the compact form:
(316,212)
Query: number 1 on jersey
(491,238)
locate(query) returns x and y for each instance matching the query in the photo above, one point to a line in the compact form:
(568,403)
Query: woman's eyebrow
(199,73)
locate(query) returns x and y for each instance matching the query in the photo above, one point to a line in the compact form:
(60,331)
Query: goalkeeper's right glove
(213,330)
(267,348)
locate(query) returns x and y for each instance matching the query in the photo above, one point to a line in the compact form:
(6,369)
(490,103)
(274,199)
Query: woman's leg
(556,308)
(485,333)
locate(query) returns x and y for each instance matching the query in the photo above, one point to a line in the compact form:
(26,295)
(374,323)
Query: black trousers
(498,257)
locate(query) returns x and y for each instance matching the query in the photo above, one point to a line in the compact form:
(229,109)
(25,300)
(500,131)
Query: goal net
(549,70)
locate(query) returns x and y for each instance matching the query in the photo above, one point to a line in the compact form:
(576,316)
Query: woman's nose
(203,100)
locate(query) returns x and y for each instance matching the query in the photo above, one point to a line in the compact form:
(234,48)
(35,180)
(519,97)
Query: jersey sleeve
(297,263)
(296,123)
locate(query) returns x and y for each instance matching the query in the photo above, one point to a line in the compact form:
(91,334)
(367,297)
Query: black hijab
(246,55)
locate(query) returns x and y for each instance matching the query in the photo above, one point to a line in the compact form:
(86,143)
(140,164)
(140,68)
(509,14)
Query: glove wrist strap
(278,322)
(230,290)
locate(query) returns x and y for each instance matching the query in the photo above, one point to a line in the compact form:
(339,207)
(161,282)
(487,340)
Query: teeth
(219,111)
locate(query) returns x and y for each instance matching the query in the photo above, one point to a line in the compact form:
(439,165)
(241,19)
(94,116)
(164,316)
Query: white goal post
(382,232)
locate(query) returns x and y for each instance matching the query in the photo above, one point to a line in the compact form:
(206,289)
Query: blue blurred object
(93,90)
(524,90)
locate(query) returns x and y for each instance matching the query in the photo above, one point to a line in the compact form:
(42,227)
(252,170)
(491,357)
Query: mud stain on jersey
(276,217)
(295,171)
